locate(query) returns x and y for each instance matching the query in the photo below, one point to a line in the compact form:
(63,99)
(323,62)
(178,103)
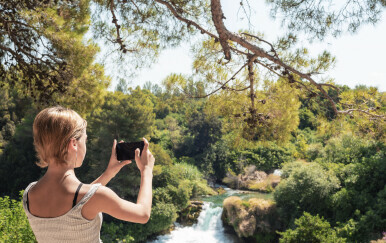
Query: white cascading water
(277,172)
(209,228)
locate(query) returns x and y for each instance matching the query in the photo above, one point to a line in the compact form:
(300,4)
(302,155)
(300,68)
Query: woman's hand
(146,159)
(114,165)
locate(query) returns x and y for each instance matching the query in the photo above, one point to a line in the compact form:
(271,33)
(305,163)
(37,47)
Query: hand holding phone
(145,159)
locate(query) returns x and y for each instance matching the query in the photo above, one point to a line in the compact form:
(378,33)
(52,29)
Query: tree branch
(261,53)
(225,36)
(117,27)
(189,22)
(330,85)
(349,111)
(217,17)
(262,40)
(270,69)
(222,86)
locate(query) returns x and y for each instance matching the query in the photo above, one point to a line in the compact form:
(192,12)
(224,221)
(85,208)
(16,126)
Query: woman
(62,209)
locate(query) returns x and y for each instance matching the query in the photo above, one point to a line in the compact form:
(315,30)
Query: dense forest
(327,139)
(333,168)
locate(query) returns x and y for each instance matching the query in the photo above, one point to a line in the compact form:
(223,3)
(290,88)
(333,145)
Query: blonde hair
(53,129)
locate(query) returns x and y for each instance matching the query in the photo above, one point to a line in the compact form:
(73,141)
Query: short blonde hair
(53,129)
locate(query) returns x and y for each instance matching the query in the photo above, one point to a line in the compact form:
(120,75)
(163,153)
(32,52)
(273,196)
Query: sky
(360,57)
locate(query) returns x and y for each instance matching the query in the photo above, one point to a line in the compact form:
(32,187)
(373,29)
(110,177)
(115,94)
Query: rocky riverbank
(255,218)
(252,179)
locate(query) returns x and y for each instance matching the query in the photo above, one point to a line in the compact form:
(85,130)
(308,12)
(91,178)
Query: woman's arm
(107,201)
(113,167)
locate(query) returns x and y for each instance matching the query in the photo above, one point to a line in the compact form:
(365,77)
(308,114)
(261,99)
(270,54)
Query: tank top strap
(88,195)
(25,196)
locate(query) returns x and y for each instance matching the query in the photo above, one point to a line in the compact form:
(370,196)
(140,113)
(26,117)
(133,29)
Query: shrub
(14,225)
(307,187)
(162,217)
(231,179)
(267,156)
(160,155)
(266,185)
(348,149)
(180,195)
(311,229)
(217,160)
(314,151)
(175,174)
(180,182)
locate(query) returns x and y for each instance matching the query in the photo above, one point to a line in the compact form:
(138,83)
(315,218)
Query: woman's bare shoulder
(102,199)
(103,193)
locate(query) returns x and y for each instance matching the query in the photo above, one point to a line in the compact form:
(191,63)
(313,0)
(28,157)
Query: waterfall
(209,228)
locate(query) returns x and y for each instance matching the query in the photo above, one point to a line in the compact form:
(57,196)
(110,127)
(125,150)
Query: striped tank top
(70,227)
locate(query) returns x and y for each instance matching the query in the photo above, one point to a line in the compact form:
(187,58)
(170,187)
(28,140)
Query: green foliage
(127,117)
(160,155)
(279,109)
(314,151)
(355,209)
(17,163)
(14,107)
(47,57)
(205,130)
(14,225)
(162,217)
(372,100)
(178,183)
(311,229)
(217,160)
(306,187)
(265,237)
(115,232)
(266,156)
(348,149)
(322,18)
(307,119)
(362,198)
(345,182)
(169,132)
(186,174)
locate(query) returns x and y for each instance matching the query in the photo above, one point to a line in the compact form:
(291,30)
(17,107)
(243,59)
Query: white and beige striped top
(70,227)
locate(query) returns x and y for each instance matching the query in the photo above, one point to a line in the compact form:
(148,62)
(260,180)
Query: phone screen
(126,151)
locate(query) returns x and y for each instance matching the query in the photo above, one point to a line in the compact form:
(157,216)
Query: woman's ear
(73,145)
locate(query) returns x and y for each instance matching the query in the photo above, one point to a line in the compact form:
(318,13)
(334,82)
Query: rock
(190,214)
(259,175)
(247,226)
(221,190)
(197,203)
(250,218)
(253,180)
(266,185)
(274,179)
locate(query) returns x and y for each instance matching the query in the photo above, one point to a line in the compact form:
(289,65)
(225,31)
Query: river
(209,227)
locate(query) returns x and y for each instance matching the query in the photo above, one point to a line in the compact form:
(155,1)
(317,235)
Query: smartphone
(126,151)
